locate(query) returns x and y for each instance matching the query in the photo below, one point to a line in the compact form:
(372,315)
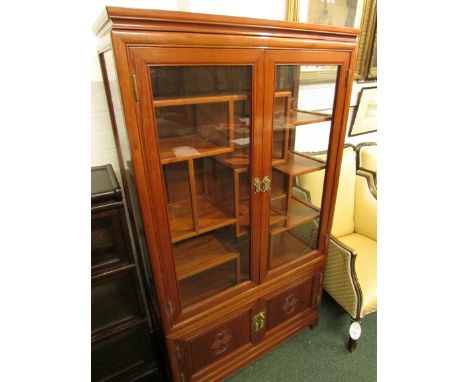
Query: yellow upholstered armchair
(351,272)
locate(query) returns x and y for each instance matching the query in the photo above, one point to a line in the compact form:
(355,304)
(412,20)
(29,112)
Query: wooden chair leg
(351,344)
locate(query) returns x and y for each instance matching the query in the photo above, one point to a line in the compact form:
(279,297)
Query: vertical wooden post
(286,131)
(288,198)
(237,202)
(231,123)
(193,194)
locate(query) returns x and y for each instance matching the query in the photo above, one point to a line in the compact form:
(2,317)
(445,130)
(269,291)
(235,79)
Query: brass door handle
(265,182)
(257,184)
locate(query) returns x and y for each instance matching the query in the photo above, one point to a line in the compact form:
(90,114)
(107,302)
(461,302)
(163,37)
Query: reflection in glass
(203,119)
(302,119)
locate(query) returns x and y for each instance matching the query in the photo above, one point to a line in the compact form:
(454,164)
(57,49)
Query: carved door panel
(300,299)
(203,351)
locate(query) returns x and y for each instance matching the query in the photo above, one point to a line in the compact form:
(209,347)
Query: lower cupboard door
(300,299)
(203,352)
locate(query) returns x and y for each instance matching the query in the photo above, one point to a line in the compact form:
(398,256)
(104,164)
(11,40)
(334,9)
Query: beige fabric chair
(367,158)
(351,273)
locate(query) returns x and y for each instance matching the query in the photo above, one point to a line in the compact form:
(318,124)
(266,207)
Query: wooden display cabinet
(215,119)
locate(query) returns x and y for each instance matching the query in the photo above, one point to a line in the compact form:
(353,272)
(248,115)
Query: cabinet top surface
(104,184)
(146,19)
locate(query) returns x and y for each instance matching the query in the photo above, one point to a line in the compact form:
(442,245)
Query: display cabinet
(216,118)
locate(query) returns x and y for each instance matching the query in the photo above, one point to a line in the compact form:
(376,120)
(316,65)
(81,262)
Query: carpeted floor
(320,354)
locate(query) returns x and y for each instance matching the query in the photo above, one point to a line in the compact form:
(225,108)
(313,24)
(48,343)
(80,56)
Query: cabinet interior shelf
(180,101)
(286,247)
(297,164)
(241,164)
(202,253)
(300,117)
(209,218)
(299,213)
(191,146)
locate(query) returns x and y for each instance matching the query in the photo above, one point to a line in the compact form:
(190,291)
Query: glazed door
(303,121)
(200,126)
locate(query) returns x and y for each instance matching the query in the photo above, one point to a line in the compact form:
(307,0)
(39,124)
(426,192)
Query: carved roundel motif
(289,304)
(221,342)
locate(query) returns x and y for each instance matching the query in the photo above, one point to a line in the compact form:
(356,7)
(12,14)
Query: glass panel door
(303,107)
(203,120)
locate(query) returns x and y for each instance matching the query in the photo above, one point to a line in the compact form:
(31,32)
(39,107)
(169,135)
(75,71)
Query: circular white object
(355,330)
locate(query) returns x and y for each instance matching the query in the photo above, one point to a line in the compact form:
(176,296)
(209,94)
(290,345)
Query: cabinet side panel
(128,179)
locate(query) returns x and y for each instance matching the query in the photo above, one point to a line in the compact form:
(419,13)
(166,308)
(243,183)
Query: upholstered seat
(351,273)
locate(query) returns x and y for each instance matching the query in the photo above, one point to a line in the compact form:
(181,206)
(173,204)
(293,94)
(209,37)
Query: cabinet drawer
(220,341)
(115,299)
(204,351)
(109,240)
(289,303)
(115,356)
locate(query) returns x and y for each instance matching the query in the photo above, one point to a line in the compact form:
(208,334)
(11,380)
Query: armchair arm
(367,158)
(340,277)
(365,205)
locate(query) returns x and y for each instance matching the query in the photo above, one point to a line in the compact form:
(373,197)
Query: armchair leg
(351,344)
(354,334)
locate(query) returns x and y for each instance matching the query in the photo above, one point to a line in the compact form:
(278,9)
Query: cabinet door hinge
(135,88)
(177,350)
(170,310)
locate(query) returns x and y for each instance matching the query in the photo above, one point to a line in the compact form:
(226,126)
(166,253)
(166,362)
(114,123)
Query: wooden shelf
(200,287)
(300,117)
(200,254)
(285,248)
(179,101)
(198,147)
(241,163)
(209,218)
(299,213)
(298,164)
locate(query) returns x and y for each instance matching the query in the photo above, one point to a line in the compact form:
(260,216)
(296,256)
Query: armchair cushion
(366,269)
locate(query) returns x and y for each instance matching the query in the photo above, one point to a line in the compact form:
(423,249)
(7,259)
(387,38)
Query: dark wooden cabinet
(121,342)
(217,119)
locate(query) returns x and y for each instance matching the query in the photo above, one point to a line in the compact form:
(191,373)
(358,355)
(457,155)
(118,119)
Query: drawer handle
(258,321)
